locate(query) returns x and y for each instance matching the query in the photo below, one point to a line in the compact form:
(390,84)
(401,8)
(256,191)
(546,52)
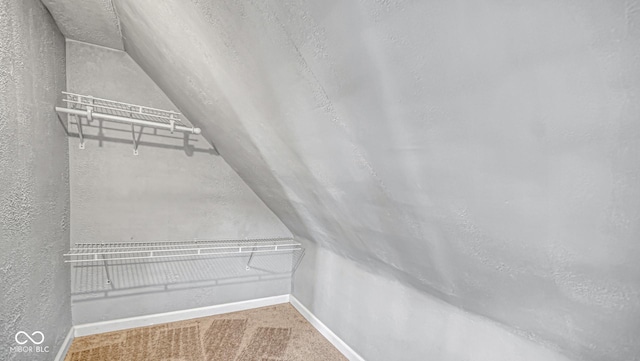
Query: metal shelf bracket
(80,133)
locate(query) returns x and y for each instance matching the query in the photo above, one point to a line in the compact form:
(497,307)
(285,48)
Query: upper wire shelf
(78,101)
(90,107)
(93,252)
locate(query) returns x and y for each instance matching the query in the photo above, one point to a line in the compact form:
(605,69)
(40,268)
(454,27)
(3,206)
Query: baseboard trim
(154,319)
(336,341)
(62,352)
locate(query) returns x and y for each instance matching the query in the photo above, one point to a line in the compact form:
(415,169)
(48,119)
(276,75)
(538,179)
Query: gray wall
(175,189)
(34,187)
(383,319)
(484,153)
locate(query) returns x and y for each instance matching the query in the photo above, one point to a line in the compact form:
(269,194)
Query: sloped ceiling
(90,21)
(483,152)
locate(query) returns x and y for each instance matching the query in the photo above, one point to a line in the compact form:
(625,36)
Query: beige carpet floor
(274,333)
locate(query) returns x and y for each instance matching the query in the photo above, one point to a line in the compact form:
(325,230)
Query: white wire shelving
(100,252)
(91,108)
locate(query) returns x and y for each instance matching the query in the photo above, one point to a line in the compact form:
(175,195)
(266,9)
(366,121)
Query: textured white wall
(34,183)
(169,192)
(482,152)
(391,321)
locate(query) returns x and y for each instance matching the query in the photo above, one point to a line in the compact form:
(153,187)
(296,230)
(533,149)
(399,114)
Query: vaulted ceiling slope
(483,152)
(90,21)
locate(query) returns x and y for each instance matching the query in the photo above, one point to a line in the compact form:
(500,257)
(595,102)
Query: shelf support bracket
(80,133)
(89,114)
(133,132)
(106,271)
(248,266)
(90,109)
(135,141)
(172,123)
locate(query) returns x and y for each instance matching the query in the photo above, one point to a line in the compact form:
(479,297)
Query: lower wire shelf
(98,252)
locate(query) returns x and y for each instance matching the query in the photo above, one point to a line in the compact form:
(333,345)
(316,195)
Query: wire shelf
(99,252)
(112,107)
(91,108)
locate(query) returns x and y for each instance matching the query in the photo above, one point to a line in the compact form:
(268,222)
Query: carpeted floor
(274,333)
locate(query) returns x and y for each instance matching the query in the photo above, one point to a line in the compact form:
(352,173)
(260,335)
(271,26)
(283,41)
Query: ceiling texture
(89,21)
(485,153)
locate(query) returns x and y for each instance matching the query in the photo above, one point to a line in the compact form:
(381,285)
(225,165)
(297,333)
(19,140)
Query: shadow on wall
(107,131)
(124,278)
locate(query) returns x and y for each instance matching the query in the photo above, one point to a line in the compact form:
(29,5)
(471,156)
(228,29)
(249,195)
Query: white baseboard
(62,352)
(149,320)
(347,351)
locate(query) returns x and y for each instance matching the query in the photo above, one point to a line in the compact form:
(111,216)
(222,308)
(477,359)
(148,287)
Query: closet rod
(140,122)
